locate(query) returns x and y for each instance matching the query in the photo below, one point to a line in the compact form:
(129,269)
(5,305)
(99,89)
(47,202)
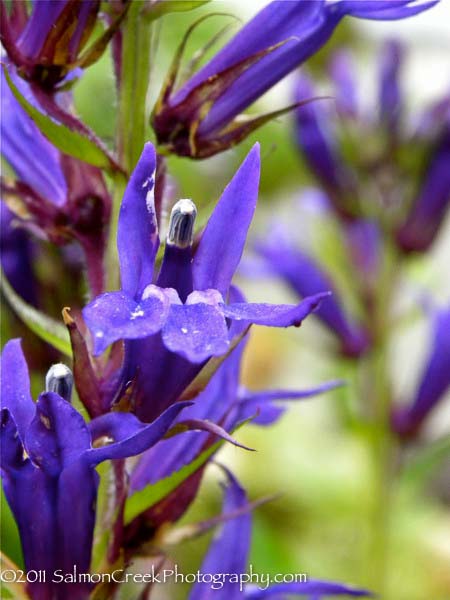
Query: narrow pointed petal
(210,427)
(15,392)
(343,73)
(228,552)
(275,315)
(222,243)
(308,589)
(390,97)
(57,436)
(435,380)
(129,435)
(137,238)
(389,10)
(115,316)
(267,405)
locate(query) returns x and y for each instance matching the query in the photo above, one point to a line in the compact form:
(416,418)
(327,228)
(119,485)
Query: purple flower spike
(229,551)
(48,460)
(178,323)
(434,383)
(199,119)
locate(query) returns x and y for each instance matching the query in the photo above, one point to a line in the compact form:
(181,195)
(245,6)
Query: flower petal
(57,436)
(274,315)
(196,331)
(130,436)
(222,243)
(115,316)
(15,392)
(137,236)
(311,588)
(228,552)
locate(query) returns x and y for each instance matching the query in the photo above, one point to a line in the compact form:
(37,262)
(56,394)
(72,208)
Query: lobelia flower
(174,321)
(223,402)
(47,44)
(376,183)
(48,460)
(434,383)
(55,196)
(229,553)
(305,276)
(203,116)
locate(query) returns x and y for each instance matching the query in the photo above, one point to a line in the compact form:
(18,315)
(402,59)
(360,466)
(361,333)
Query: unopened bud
(59,379)
(181,226)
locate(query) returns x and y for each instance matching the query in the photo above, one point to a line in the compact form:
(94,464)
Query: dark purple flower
(60,198)
(47,44)
(177,319)
(434,382)
(390,96)
(229,553)
(428,210)
(306,277)
(48,460)
(199,119)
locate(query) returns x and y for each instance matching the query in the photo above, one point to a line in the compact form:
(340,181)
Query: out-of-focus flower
(229,553)
(173,322)
(203,116)
(430,207)
(48,43)
(48,460)
(55,196)
(434,382)
(305,276)
(16,255)
(398,178)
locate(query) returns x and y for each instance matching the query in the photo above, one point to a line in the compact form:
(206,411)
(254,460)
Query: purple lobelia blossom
(305,276)
(223,402)
(174,321)
(56,197)
(434,382)
(199,119)
(229,553)
(48,460)
(49,42)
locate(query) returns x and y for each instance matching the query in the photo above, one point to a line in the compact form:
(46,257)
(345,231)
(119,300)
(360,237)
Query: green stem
(132,117)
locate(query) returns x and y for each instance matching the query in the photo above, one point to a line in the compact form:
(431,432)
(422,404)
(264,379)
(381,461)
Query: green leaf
(67,140)
(42,325)
(153,493)
(159,9)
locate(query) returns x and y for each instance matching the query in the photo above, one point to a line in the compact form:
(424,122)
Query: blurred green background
(315,458)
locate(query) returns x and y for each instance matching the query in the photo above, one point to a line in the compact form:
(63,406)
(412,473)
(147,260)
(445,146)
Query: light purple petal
(390,97)
(228,552)
(222,242)
(196,331)
(115,316)
(274,315)
(130,436)
(15,392)
(137,237)
(389,10)
(342,71)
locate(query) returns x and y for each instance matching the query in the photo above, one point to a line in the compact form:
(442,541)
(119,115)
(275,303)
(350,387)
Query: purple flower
(199,119)
(434,382)
(61,197)
(177,319)
(229,553)
(390,96)
(48,43)
(428,210)
(306,277)
(48,460)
